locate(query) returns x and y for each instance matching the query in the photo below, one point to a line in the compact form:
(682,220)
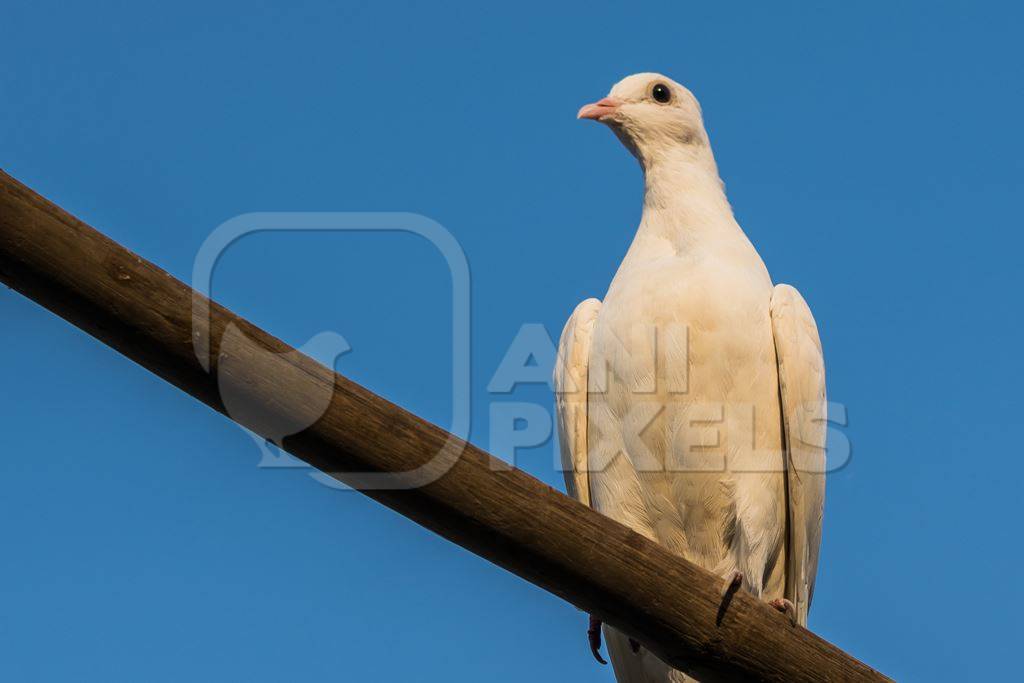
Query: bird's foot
(594,636)
(733,581)
(786,607)
(634,646)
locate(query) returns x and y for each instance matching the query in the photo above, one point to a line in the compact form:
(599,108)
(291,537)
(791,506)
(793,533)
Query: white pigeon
(691,402)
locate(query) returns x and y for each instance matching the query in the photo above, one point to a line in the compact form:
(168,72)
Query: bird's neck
(684,202)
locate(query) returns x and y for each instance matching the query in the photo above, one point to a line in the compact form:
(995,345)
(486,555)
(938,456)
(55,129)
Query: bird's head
(654,116)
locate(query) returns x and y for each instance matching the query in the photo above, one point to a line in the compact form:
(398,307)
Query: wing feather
(802,391)
(570,379)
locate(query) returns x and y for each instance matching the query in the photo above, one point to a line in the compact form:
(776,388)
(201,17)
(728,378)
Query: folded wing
(570,380)
(802,390)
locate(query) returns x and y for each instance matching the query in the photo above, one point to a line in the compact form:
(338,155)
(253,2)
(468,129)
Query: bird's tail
(639,666)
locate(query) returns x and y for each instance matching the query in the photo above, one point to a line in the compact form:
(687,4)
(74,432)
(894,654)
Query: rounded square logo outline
(358,221)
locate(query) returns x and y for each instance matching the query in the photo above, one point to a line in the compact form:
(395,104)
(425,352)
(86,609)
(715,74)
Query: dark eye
(661,93)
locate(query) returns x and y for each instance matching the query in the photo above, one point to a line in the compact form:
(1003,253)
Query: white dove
(691,402)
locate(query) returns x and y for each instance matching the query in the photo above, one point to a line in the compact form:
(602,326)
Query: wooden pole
(671,606)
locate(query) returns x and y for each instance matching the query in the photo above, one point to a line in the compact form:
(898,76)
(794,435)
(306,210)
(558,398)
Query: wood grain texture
(515,521)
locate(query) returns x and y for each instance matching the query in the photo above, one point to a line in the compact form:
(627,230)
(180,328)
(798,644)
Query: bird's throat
(684,199)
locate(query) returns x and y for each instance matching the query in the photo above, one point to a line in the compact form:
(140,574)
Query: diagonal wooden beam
(504,515)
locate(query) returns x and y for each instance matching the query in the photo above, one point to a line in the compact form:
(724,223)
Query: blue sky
(872,152)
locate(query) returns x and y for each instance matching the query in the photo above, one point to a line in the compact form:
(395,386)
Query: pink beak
(598,110)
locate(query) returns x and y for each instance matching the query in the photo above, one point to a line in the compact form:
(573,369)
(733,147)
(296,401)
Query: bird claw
(594,636)
(634,646)
(732,582)
(786,607)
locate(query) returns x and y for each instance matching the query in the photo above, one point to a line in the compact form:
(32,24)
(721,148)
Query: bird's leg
(634,646)
(594,636)
(733,581)
(786,607)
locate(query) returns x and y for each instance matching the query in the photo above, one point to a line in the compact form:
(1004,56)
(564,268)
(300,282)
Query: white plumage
(691,401)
